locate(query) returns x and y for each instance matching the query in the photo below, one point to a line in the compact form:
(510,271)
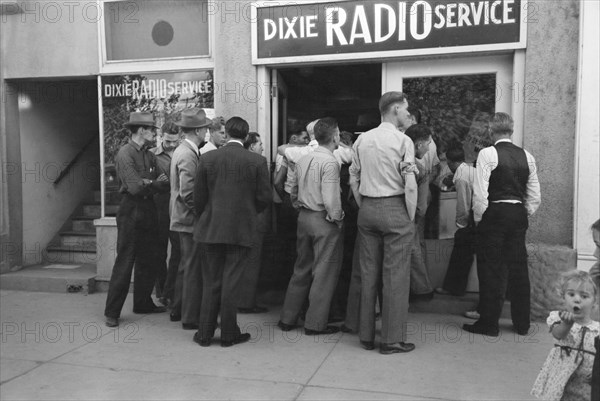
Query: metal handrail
(74,160)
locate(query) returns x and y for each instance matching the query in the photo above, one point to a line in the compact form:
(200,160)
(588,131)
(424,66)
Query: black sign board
(299,31)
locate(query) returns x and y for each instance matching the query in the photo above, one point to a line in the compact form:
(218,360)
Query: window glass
(150,29)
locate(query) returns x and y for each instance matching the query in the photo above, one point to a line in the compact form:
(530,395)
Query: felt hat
(141,118)
(193,118)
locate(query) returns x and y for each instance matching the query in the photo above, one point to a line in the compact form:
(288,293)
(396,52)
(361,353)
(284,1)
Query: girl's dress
(566,374)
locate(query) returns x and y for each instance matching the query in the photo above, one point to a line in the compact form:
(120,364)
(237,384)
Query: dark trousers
(137,233)
(385,235)
(167,271)
(502,262)
(222,270)
(461,261)
(316,270)
(287,225)
(247,294)
(188,285)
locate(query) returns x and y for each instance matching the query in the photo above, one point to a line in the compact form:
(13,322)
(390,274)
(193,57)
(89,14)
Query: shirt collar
(387,125)
(321,149)
(135,145)
(159,150)
(313,143)
(502,140)
(236,141)
(194,146)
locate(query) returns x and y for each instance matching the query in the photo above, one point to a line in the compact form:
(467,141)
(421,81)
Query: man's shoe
(442,291)
(478,329)
(472,314)
(368,345)
(346,329)
(285,327)
(254,309)
(395,348)
(174,317)
(328,330)
(190,326)
(242,338)
(154,309)
(521,331)
(204,342)
(111,321)
(420,297)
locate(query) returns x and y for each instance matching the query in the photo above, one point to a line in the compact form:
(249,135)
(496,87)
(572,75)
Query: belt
(384,197)
(138,197)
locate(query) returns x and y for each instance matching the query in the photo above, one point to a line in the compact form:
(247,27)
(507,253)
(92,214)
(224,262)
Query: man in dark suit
(232,187)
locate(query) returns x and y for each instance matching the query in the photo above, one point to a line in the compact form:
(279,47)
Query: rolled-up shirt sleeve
(485,165)
(354,169)
(330,190)
(533,196)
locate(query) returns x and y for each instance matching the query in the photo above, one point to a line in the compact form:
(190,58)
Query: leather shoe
(368,345)
(478,329)
(254,309)
(111,321)
(203,342)
(395,348)
(442,291)
(328,330)
(521,331)
(175,317)
(153,309)
(472,314)
(189,326)
(285,327)
(346,329)
(241,338)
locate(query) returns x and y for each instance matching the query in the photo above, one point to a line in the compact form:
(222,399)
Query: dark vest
(508,181)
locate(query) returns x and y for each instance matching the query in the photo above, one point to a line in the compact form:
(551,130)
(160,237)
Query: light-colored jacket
(183,172)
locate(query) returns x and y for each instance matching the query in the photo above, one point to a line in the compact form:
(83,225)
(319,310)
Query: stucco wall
(50,39)
(53,130)
(235,77)
(550,114)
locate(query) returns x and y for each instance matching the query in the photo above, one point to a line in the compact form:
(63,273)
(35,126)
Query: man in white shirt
(506,191)
(463,252)
(215,136)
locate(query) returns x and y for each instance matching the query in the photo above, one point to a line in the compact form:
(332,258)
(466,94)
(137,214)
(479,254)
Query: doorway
(348,93)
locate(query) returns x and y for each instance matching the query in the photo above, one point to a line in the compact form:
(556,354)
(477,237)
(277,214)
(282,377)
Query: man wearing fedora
(137,221)
(232,187)
(188,286)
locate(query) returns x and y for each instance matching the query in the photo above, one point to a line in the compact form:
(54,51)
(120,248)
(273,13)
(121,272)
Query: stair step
(81,238)
(111,197)
(70,254)
(95,210)
(84,224)
(59,278)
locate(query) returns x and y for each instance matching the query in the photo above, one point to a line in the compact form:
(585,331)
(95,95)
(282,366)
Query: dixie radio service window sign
(300,31)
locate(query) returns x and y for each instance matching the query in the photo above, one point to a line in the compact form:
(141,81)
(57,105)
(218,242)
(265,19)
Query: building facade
(71,70)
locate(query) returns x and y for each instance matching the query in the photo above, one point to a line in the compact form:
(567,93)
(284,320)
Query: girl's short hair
(578,276)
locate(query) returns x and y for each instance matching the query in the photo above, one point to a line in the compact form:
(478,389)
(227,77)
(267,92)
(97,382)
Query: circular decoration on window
(162,33)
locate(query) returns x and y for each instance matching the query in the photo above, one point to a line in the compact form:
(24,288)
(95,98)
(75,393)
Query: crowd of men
(356,211)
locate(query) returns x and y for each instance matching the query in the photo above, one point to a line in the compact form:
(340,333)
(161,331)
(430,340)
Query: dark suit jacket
(231,188)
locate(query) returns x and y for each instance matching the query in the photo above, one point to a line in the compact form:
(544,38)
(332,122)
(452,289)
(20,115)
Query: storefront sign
(369,29)
(163,94)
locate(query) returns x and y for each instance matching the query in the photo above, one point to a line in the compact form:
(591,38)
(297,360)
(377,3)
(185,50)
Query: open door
(456,98)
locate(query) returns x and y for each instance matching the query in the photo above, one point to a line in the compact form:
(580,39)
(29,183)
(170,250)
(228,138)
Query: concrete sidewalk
(56,347)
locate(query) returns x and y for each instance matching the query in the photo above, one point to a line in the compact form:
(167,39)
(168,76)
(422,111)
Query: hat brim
(140,124)
(207,123)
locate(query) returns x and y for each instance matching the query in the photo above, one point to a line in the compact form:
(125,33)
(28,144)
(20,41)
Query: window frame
(152,64)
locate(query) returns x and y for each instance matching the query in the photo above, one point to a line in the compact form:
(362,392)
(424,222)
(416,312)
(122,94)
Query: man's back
(232,186)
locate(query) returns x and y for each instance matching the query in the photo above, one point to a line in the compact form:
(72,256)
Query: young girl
(567,372)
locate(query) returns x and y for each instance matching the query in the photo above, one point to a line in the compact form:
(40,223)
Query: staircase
(76,242)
